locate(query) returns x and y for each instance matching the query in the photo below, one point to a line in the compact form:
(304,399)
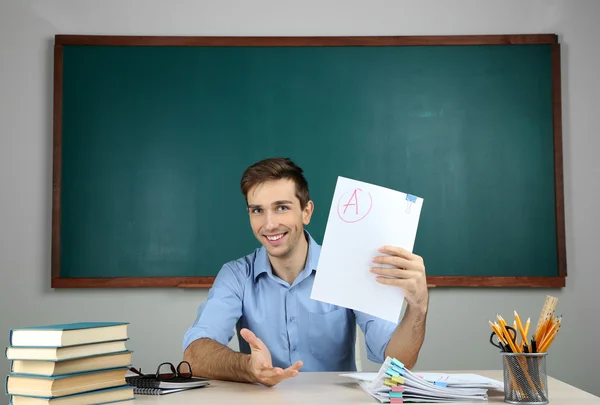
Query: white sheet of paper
(462,379)
(362,218)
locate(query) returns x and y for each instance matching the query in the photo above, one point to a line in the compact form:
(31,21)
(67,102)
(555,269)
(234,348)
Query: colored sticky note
(399,380)
(391,372)
(397,362)
(398,370)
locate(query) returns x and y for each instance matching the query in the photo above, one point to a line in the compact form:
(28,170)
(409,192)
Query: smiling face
(276,216)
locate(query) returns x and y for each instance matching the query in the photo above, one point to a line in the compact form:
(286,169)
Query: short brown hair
(276,169)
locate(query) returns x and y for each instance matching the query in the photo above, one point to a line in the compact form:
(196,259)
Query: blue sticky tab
(412,199)
(392,372)
(441,384)
(395,394)
(398,370)
(394,361)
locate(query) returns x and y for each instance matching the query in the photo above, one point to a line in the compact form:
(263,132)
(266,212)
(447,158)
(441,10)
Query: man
(266,296)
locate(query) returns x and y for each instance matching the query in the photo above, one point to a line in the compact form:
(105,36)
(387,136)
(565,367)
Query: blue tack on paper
(411,198)
(395,362)
(392,373)
(399,370)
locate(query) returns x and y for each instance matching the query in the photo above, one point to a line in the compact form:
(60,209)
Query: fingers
(414,262)
(278,371)
(400,263)
(270,376)
(394,272)
(408,285)
(271,372)
(396,261)
(396,251)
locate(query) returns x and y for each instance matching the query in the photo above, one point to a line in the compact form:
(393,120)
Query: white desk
(329,388)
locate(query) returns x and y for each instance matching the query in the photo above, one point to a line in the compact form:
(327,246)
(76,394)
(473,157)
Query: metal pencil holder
(525,379)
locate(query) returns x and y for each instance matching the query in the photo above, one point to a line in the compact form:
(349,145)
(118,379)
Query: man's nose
(271,221)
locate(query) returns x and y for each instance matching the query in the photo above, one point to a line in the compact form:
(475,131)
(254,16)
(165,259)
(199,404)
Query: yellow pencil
(548,342)
(521,330)
(508,335)
(551,333)
(542,330)
(498,332)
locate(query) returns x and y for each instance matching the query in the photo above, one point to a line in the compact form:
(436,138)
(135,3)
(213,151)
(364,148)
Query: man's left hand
(408,273)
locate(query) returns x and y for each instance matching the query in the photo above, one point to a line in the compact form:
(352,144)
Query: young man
(266,296)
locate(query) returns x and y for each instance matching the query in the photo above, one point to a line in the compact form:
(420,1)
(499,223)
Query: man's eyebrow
(280,202)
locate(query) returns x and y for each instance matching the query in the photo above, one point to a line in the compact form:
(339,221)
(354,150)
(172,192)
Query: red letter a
(354,196)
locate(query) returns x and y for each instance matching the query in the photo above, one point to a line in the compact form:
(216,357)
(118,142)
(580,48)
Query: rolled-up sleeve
(222,309)
(378,333)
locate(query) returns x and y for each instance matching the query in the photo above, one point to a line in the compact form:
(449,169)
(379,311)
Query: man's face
(276,217)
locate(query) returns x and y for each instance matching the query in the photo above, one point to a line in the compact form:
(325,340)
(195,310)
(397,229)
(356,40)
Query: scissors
(505,348)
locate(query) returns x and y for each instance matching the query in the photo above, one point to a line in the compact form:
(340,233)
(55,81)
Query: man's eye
(282,208)
(256,211)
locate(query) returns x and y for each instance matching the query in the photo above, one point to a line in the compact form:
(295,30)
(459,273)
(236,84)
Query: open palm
(261,364)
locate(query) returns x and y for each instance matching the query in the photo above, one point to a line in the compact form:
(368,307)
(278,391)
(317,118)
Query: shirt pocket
(328,335)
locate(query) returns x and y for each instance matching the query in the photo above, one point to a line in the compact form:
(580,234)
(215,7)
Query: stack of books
(77,363)
(395,384)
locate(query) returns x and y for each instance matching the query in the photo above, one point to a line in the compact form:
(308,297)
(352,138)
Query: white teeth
(274,238)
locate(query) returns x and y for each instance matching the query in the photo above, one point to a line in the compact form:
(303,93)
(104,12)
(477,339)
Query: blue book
(65,384)
(121,395)
(70,334)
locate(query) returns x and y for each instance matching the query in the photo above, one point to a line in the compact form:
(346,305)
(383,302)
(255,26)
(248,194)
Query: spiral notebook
(165,387)
(157,391)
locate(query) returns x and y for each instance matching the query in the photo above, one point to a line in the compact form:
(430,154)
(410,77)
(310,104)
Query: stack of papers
(395,384)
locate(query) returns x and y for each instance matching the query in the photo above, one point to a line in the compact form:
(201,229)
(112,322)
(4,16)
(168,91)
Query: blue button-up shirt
(246,294)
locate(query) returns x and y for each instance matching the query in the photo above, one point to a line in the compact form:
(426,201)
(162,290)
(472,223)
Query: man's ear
(307,212)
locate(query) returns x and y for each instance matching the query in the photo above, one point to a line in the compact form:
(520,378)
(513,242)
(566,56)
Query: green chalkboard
(152,136)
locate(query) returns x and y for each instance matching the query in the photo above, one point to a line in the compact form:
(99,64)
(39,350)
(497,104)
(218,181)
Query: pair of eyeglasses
(167,371)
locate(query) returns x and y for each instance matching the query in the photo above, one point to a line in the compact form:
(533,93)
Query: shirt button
(294,348)
(292,318)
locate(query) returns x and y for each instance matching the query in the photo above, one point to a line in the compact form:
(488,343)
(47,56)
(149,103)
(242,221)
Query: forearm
(407,339)
(211,359)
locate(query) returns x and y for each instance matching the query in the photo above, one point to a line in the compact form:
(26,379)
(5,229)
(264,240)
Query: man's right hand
(261,366)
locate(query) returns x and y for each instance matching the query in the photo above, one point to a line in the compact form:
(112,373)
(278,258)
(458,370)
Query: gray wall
(457,336)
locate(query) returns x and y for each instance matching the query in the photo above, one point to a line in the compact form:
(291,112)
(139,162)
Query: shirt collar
(263,265)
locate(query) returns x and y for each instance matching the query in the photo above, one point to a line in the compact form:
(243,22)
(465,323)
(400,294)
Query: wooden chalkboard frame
(206,282)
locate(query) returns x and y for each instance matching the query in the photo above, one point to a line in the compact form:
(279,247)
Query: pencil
(548,342)
(550,336)
(508,335)
(521,330)
(542,330)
